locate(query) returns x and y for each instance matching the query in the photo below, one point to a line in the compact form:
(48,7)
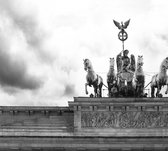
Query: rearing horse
(160,79)
(93,79)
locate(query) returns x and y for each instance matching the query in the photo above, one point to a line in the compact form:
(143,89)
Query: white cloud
(50,39)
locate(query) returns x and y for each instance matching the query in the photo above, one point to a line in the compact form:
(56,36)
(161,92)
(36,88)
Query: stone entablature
(121,116)
(87,124)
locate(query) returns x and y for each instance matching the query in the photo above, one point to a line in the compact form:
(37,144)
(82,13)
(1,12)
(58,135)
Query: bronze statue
(125,65)
(139,78)
(126,69)
(125,61)
(129,80)
(93,79)
(160,79)
(122,26)
(122,35)
(112,80)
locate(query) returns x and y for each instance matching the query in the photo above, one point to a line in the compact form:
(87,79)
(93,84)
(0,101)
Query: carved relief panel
(124,119)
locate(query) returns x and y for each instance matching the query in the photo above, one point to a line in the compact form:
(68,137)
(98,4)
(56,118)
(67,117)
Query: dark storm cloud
(13,70)
(13,73)
(28,24)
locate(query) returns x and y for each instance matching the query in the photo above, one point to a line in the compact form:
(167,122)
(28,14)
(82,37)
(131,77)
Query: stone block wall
(87,124)
(35,121)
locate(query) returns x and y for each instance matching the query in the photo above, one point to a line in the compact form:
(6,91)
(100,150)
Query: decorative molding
(124,119)
(33,110)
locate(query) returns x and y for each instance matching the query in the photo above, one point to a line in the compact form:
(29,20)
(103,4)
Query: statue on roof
(125,70)
(125,64)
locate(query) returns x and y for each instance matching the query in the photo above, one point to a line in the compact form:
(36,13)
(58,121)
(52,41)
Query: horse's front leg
(152,91)
(95,91)
(158,90)
(166,92)
(100,91)
(86,91)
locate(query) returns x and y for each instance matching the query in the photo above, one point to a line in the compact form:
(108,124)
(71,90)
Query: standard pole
(123,45)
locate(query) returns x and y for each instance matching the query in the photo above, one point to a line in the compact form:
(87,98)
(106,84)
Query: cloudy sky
(43,44)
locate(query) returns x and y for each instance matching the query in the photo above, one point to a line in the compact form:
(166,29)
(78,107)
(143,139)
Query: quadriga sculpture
(93,79)
(139,78)
(160,79)
(112,80)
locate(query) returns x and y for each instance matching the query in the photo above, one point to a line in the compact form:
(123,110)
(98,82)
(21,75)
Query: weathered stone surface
(125,119)
(36,121)
(87,124)
(121,116)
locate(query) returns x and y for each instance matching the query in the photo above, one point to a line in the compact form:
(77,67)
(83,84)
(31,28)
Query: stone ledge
(125,99)
(119,104)
(30,110)
(86,143)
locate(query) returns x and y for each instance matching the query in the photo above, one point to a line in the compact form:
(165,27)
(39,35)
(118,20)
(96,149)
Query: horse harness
(95,82)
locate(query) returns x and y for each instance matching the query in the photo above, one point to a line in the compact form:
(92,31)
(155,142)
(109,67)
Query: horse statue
(125,73)
(139,78)
(112,80)
(93,79)
(160,79)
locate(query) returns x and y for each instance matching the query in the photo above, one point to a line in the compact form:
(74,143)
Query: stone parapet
(35,121)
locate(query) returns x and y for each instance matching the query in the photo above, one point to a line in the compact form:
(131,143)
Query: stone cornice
(119,104)
(13,110)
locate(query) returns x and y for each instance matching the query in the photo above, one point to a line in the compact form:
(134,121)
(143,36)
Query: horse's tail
(154,80)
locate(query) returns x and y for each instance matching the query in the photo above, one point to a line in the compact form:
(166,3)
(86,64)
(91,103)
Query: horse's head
(164,64)
(111,62)
(140,61)
(87,64)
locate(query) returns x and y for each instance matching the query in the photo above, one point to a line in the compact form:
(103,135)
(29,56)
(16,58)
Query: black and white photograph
(83,75)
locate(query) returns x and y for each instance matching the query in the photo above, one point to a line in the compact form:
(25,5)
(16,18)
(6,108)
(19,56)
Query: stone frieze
(124,119)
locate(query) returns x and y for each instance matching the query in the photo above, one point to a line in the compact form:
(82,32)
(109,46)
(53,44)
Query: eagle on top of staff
(121,25)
